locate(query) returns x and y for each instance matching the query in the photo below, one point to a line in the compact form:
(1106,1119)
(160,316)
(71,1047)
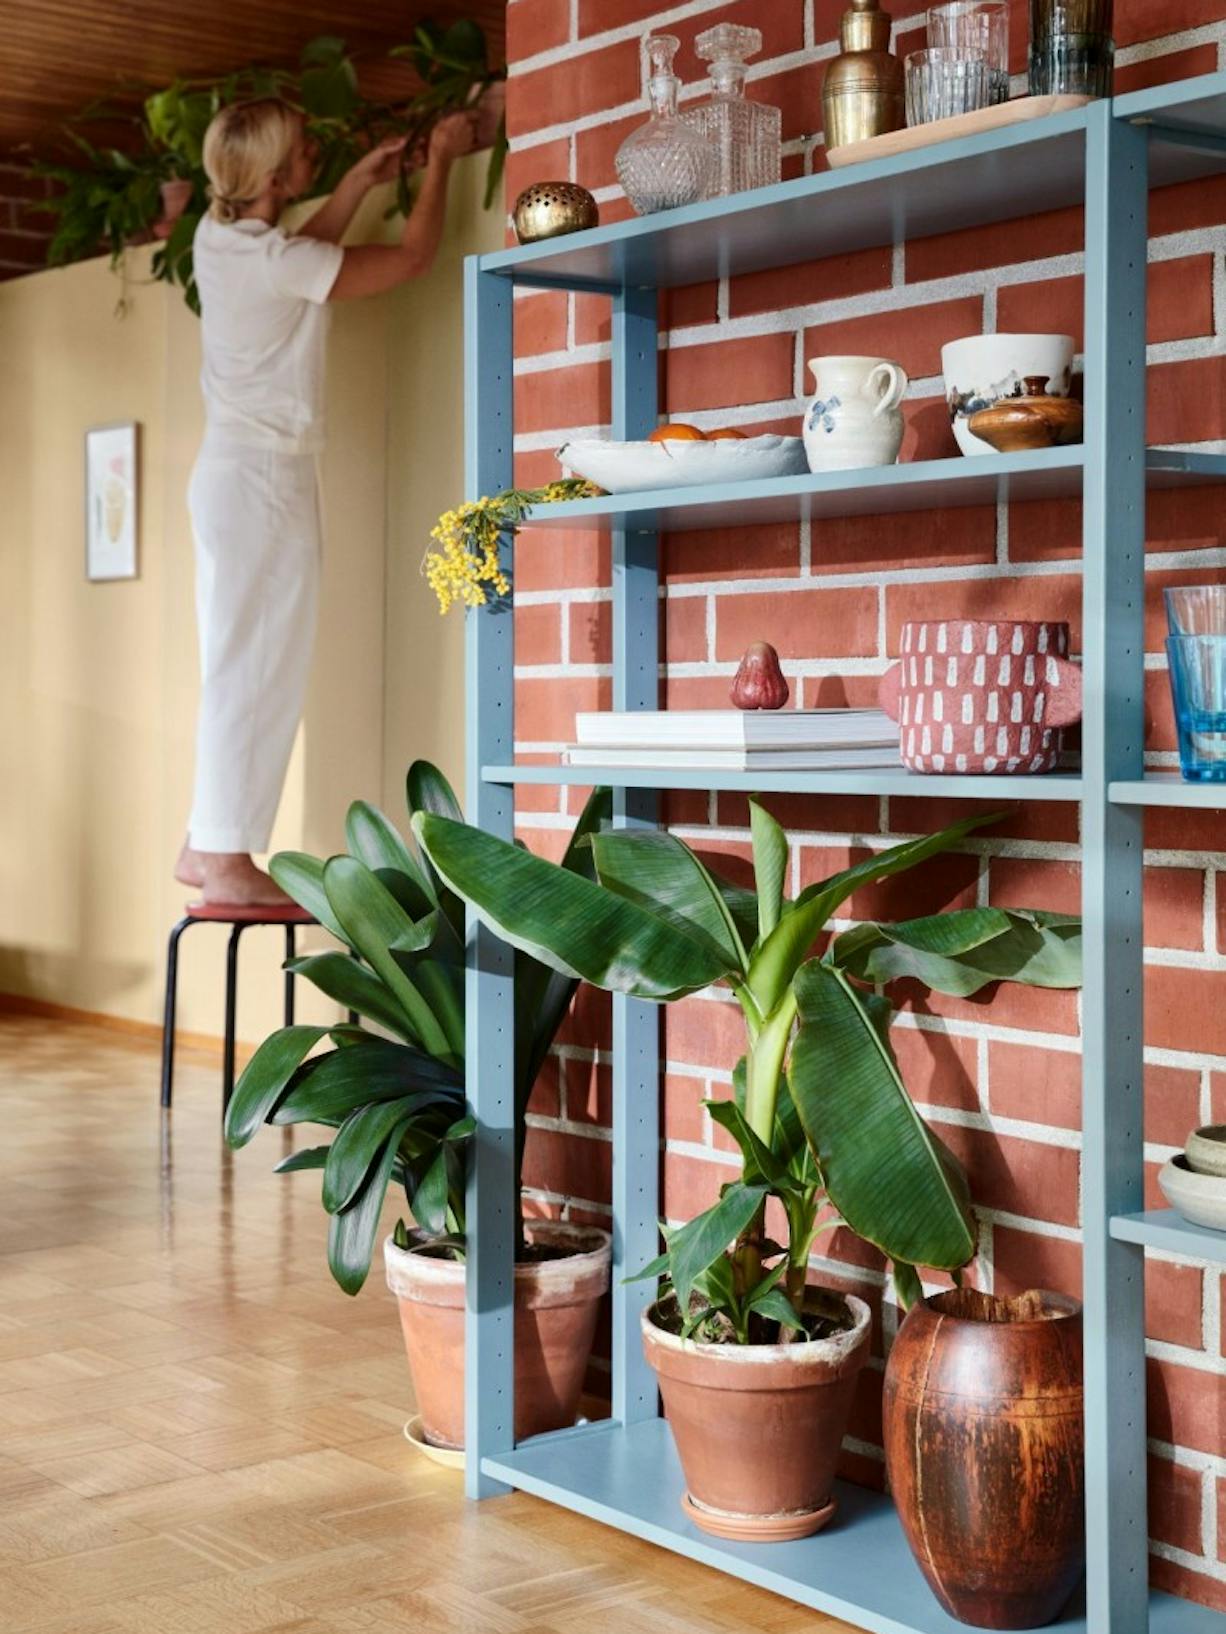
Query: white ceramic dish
(1206,1150)
(1200,1198)
(981,369)
(448,1457)
(621,468)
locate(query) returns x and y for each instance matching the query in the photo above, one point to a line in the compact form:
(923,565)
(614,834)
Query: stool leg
(227,1070)
(289,977)
(168,1010)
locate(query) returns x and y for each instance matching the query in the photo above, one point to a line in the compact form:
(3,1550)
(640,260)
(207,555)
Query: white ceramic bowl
(621,468)
(1206,1150)
(984,368)
(1200,1198)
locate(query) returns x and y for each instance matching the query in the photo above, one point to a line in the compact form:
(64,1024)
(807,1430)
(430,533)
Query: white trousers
(255,516)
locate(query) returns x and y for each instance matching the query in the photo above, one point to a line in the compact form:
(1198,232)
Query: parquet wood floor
(199,1434)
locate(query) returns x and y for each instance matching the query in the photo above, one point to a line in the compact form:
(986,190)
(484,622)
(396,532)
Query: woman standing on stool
(254,496)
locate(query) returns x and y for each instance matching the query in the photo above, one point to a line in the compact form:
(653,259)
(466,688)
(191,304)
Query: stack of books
(783,740)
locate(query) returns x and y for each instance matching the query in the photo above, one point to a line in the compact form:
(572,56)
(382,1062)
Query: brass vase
(863,94)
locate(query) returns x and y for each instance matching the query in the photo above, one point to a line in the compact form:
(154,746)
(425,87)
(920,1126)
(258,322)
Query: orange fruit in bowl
(726,434)
(679,432)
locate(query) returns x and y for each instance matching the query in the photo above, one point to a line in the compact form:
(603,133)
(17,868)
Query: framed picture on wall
(111,509)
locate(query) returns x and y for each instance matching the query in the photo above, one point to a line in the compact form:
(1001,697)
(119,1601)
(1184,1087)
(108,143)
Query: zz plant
(395,1097)
(819,1109)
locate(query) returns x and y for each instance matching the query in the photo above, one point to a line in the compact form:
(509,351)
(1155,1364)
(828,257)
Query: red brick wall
(998,1076)
(23,233)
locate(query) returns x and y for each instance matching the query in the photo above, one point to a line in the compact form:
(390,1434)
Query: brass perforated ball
(548,209)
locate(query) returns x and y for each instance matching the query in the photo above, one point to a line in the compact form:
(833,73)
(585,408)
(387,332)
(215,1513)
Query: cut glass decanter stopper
(746,136)
(666,162)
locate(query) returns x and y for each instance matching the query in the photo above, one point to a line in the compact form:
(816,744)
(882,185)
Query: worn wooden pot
(758,1428)
(984,1448)
(557,1302)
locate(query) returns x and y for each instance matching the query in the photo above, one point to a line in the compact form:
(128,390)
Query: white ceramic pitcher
(854,418)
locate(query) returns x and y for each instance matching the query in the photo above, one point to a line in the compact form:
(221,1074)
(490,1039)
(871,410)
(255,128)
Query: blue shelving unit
(1106,156)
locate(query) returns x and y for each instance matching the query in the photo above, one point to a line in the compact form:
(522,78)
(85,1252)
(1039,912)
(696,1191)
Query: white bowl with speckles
(1200,1198)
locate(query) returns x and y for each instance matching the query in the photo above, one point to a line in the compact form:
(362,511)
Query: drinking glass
(942,82)
(1196,609)
(971,27)
(1198,691)
(1071,49)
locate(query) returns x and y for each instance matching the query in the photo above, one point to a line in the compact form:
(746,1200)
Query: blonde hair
(246,145)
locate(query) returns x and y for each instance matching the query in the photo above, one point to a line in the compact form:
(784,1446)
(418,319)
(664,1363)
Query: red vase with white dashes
(984,696)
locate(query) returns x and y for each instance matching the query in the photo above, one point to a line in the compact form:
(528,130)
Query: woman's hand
(381,164)
(453,137)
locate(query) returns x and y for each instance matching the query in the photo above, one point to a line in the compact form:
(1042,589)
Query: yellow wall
(98,681)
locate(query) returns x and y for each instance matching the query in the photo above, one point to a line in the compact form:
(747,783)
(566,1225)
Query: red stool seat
(250,913)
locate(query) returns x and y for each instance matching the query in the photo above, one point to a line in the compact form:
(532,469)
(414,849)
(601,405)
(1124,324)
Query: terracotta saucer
(448,1457)
(758,1528)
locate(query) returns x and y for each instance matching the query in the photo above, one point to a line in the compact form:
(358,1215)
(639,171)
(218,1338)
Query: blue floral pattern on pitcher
(823,414)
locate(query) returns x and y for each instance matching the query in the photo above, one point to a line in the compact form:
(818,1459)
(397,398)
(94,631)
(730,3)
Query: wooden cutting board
(895,142)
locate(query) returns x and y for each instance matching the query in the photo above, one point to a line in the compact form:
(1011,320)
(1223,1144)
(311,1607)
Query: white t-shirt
(265,321)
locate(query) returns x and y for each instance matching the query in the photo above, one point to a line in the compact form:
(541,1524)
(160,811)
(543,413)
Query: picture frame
(112,501)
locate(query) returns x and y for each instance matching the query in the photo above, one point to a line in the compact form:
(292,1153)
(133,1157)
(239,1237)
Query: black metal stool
(239,920)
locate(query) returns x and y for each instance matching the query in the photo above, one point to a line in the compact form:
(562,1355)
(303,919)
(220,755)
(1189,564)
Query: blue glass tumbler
(1198,690)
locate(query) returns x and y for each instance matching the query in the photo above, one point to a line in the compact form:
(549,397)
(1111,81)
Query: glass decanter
(666,162)
(745,136)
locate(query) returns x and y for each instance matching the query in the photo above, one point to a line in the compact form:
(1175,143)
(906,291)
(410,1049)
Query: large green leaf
(566,921)
(663,876)
(341,978)
(426,789)
(894,1183)
(770,862)
(443,1178)
(332,1086)
(302,877)
(358,1143)
(760,1165)
(374,840)
(310,1157)
(265,1079)
(777,958)
(376,924)
(703,1239)
(351,1233)
(962,951)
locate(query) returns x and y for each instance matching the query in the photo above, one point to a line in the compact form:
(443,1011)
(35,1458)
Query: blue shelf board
(1163,1228)
(987,479)
(1018,171)
(1007,790)
(859,1568)
(1168,789)
(1189,105)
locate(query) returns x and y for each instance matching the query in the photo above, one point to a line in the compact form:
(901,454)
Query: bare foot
(230,877)
(189,869)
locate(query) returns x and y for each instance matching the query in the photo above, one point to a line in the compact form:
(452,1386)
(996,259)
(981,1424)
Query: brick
(1183,519)
(939,1069)
(536,25)
(1187,401)
(1184,1010)
(1024,1177)
(557,399)
(534,467)
(545,709)
(940,885)
(23,249)
(685,629)
(1159,714)
(1008,1004)
(1174,904)
(685,1117)
(546,1098)
(771,550)
(958,538)
(538,635)
(1028,882)
(912,337)
(1201,203)
(695,692)
(1054,596)
(589,1092)
(1138,20)
(568,1165)
(1035,1085)
(797,93)
(757,369)
(584,83)
(1173,65)
(1185,1406)
(927,433)
(591,632)
(1174,1504)
(691,1184)
(536,796)
(589,1022)
(1180,302)
(837,692)
(1029,1259)
(1191,1585)
(543,162)
(540,323)
(702,1033)
(834,278)
(688,807)
(1039,820)
(1172,1104)
(831,814)
(595,150)
(800,624)
(18,182)
(999,244)
(556,560)
(1173,1298)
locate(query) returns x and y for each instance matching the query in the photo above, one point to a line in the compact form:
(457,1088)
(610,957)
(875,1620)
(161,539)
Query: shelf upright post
(636,1024)
(1113,739)
(489,1379)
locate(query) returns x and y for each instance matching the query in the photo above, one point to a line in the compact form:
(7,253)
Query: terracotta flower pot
(982,696)
(557,1302)
(758,1428)
(984,1448)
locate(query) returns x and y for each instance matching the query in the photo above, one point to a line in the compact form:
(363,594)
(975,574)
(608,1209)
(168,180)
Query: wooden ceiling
(57,56)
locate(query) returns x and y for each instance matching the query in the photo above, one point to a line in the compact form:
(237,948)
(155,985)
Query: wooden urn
(984,1447)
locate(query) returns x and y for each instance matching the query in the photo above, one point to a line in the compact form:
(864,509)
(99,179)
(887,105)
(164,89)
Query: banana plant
(397,1103)
(819,1109)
